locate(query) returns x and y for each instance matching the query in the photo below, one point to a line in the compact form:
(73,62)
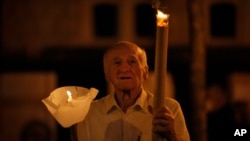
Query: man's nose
(124,67)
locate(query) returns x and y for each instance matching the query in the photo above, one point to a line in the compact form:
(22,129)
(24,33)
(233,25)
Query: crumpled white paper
(68,110)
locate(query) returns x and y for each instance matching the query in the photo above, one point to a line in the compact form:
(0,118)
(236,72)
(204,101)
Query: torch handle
(160,65)
(160,70)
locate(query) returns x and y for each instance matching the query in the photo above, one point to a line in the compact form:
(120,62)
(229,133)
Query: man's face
(125,71)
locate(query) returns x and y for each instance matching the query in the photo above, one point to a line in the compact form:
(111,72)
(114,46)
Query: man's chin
(126,88)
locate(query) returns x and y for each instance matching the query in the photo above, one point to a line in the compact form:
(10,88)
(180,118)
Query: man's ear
(107,77)
(145,73)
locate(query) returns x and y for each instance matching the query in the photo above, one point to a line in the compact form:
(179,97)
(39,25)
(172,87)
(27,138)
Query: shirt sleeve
(180,125)
(82,132)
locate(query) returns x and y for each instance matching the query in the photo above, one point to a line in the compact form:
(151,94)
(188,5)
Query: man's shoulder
(170,102)
(103,100)
(102,103)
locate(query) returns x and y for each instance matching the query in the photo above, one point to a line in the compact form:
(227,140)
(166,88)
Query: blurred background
(47,44)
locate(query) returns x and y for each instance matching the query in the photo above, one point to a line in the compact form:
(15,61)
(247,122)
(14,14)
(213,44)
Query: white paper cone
(68,113)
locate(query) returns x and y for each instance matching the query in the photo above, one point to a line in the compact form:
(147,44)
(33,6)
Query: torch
(162,20)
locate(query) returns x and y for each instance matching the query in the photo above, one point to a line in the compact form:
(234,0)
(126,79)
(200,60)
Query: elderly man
(127,115)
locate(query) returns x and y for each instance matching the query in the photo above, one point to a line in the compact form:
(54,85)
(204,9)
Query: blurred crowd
(224,116)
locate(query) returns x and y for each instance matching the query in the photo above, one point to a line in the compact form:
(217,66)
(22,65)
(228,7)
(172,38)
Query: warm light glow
(69,96)
(162,19)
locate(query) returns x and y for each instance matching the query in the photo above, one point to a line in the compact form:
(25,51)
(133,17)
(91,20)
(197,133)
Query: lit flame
(162,19)
(69,96)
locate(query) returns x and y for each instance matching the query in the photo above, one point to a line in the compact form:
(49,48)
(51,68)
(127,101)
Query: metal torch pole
(160,69)
(160,65)
(160,62)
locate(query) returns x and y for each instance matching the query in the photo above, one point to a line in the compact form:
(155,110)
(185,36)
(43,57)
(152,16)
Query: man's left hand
(163,123)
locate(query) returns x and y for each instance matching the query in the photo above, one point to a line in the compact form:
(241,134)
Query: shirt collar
(142,103)
(110,103)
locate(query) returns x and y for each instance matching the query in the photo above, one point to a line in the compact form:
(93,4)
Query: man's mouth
(124,77)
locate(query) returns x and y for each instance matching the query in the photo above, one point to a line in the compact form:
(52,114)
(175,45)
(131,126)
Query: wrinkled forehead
(122,49)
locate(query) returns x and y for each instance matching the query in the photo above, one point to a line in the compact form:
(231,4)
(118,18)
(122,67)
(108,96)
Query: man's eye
(132,61)
(117,62)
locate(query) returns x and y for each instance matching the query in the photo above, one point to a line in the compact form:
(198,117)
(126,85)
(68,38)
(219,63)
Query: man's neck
(127,98)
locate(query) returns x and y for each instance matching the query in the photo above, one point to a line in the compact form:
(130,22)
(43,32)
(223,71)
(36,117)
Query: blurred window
(145,20)
(105,20)
(223,20)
